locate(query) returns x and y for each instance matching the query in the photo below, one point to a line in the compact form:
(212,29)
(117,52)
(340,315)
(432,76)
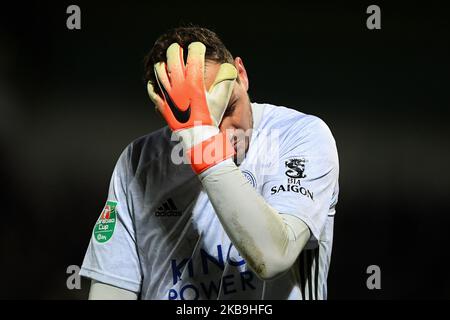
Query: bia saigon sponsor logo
(296,168)
(104,228)
(295,171)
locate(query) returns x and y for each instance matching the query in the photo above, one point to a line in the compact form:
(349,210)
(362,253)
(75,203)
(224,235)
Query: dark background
(70,101)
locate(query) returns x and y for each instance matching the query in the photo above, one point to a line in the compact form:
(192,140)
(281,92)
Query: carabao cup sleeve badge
(104,228)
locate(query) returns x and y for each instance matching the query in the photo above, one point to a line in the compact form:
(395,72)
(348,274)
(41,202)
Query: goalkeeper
(232,200)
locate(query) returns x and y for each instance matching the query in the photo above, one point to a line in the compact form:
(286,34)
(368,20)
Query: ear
(242,73)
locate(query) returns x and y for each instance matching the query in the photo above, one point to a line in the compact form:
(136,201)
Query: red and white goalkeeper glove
(191,111)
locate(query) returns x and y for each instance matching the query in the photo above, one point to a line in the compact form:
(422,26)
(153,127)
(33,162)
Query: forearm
(102,291)
(269,241)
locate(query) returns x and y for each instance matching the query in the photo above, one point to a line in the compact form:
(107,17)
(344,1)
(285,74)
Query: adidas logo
(168,209)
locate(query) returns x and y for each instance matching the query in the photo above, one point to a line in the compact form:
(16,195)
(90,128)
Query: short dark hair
(215,49)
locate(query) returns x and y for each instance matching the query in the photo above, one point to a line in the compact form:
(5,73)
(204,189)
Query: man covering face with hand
(232,200)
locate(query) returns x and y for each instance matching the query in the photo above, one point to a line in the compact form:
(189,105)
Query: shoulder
(145,149)
(293,126)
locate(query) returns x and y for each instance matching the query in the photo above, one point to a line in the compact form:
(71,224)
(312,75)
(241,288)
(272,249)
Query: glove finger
(161,75)
(195,64)
(159,103)
(161,106)
(226,72)
(220,91)
(175,65)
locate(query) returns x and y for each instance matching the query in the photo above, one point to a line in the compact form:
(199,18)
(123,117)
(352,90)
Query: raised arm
(269,241)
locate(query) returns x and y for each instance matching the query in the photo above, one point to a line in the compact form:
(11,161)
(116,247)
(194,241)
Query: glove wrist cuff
(210,152)
(195,135)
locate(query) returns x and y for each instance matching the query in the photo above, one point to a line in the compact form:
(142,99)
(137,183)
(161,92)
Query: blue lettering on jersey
(229,284)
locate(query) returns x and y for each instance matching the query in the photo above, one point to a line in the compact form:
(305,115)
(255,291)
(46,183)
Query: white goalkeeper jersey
(158,234)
